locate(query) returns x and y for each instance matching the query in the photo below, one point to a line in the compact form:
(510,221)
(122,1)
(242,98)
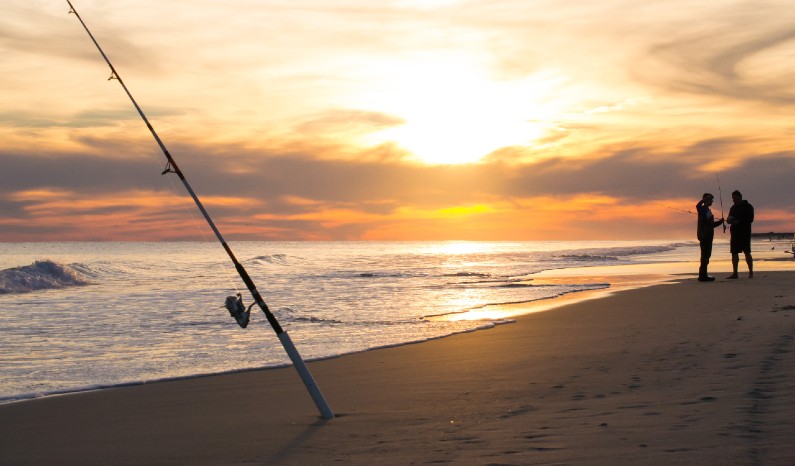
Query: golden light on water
(458,248)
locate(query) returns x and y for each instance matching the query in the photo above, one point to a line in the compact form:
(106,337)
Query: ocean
(79,316)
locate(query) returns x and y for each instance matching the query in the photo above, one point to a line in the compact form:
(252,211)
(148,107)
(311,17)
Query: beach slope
(688,372)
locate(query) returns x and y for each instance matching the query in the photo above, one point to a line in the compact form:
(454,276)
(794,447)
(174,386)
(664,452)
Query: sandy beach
(681,372)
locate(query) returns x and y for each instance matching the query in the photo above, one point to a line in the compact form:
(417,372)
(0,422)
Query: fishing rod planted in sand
(233,304)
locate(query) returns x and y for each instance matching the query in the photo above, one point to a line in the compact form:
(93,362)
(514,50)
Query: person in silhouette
(706,233)
(741,216)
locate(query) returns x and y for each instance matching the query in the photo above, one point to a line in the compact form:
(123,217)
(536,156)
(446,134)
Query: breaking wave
(588,257)
(41,275)
(597,255)
(276,259)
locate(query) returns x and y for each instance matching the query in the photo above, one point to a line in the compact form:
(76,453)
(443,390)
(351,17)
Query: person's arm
(700,207)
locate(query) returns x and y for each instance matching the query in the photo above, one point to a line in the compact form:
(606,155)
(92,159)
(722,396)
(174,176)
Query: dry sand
(682,373)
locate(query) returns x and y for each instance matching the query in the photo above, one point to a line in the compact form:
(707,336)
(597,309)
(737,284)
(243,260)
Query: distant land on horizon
(773,235)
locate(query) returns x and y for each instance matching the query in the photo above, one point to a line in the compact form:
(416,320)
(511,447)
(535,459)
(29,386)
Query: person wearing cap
(741,216)
(705,233)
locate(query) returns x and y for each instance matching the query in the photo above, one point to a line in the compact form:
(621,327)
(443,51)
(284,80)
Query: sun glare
(456,114)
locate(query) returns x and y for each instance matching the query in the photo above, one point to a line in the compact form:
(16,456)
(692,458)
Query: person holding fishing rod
(705,233)
(741,216)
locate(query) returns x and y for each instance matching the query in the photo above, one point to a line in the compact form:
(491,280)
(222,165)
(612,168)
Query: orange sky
(394,120)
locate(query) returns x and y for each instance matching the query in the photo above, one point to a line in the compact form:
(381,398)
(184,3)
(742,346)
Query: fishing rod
(720,193)
(233,304)
(674,208)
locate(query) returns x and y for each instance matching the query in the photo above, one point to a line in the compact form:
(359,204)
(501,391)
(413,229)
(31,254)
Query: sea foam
(41,275)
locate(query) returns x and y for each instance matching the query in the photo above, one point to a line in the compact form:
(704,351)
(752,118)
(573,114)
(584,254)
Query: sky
(394,119)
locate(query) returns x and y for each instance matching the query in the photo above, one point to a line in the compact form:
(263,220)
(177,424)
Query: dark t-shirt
(742,216)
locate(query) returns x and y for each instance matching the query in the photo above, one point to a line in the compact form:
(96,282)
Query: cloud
(747,58)
(647,173)
(296,196)
(347,122)
(275,111)
(284,178)
(28,28)
(85,119)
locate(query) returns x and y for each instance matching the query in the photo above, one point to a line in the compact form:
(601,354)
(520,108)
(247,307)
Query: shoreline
(701,375)
(619,277)
(498,314)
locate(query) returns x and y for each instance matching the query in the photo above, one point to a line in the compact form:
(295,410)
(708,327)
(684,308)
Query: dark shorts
(740,243)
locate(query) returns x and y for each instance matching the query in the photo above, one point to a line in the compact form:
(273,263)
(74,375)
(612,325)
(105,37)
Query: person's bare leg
(735,264)
(750,261)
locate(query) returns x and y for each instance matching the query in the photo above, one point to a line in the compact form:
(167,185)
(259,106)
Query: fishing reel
(238,310)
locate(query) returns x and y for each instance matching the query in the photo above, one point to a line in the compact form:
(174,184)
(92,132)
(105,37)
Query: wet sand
(680,372)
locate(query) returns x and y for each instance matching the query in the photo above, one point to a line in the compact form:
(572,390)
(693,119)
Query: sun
(454,113)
